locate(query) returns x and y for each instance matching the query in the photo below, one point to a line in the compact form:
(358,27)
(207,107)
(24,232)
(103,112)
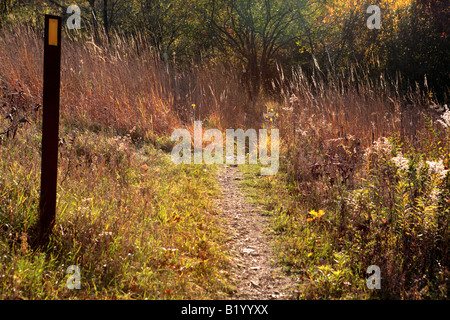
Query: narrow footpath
(256,275)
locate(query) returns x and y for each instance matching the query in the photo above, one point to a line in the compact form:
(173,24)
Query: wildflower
(434,195)
(105,234)
(401,162)
(382,144)
(445,119)
(193,106)
(315,215)
(437,168)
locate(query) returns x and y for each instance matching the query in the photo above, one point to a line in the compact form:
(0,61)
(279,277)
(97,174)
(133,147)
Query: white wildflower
(122,147)
(382,144)
(401,162)
(437,168)
(445,119)
(434,195)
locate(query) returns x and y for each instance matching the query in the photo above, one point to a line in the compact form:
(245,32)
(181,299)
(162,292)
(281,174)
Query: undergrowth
(137,226)
(351,207)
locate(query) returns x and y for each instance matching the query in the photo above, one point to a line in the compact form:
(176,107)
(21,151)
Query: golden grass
(141,228)
(137,226)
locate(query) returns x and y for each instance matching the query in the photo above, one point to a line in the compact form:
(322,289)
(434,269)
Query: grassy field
(137,226)
(363,179)
(352,193)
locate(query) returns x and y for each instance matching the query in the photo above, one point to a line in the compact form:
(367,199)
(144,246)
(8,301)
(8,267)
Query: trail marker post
(50,127)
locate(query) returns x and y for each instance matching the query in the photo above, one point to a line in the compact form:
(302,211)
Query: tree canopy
(256,35)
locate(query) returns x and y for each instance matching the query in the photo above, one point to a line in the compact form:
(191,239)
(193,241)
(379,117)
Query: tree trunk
(105,18)
(254,76)
(94,20)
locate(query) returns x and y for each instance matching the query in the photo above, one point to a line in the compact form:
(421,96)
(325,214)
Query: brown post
(50,127)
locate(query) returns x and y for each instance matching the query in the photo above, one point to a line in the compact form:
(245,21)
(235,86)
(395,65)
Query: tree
(254,31)
(5,7)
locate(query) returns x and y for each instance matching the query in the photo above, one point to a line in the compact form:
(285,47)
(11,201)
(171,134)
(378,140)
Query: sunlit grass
(137,226)
(354,187)
(346,198)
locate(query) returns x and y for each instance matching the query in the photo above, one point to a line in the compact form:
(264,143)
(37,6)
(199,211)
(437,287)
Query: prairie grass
(363,177)
(136,225)
(363,181)
(124,84)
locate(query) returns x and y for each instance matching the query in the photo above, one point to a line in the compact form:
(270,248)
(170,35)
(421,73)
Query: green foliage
(258,35)
(137,226)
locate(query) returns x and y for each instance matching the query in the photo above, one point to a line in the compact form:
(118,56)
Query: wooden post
(50,127)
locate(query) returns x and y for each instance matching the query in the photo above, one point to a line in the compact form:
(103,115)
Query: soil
(255,272)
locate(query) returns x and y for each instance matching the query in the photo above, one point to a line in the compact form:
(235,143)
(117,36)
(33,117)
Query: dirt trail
(255,272)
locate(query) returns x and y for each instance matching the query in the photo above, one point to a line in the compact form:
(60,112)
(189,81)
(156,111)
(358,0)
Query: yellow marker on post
(50,128)
(53,32)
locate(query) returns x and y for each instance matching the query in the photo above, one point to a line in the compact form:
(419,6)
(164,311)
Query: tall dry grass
(355,104)
(136,225)
(333,129)
(123,84)
(374,162)
(325,119)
